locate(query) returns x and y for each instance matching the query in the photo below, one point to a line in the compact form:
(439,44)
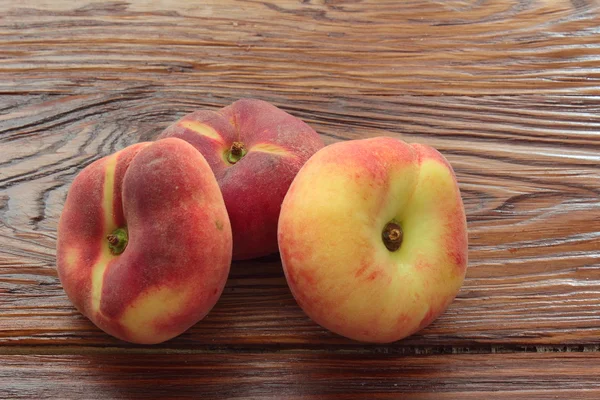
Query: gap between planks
(262,349)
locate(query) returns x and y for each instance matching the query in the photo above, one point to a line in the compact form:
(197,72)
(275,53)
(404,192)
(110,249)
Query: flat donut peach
(255,150)
(144,241)
(373,238)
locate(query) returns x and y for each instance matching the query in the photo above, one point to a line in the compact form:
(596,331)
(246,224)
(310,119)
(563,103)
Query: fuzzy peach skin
(331,238)
(176,260)
(275,146)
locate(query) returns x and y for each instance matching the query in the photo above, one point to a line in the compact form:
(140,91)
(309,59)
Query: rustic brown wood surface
(508,91)
(315,376)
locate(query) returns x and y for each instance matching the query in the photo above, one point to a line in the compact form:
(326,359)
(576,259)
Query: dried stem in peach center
(236,152)
(117,241)
(392,236)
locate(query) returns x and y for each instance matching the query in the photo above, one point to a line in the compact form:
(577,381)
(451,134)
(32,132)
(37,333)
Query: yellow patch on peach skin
(150,309)
(106,256)
(71,256)
(272,149)
(202,129)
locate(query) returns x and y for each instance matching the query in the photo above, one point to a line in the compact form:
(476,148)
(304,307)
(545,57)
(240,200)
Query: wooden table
(508,91)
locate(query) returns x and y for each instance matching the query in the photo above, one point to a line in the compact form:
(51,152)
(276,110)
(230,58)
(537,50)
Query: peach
(373,238)
(255,150)
(144,241)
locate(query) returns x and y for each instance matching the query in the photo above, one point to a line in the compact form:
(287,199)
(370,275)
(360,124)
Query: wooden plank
(507,91)
(321,47)
(294,376)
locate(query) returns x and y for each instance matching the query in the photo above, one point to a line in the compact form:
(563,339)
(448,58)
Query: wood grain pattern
(294,376)
(83,81)
(508,90)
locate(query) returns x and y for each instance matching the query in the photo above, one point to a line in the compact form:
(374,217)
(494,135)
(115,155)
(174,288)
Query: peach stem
(117,241)
(392,236)
(237,151)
